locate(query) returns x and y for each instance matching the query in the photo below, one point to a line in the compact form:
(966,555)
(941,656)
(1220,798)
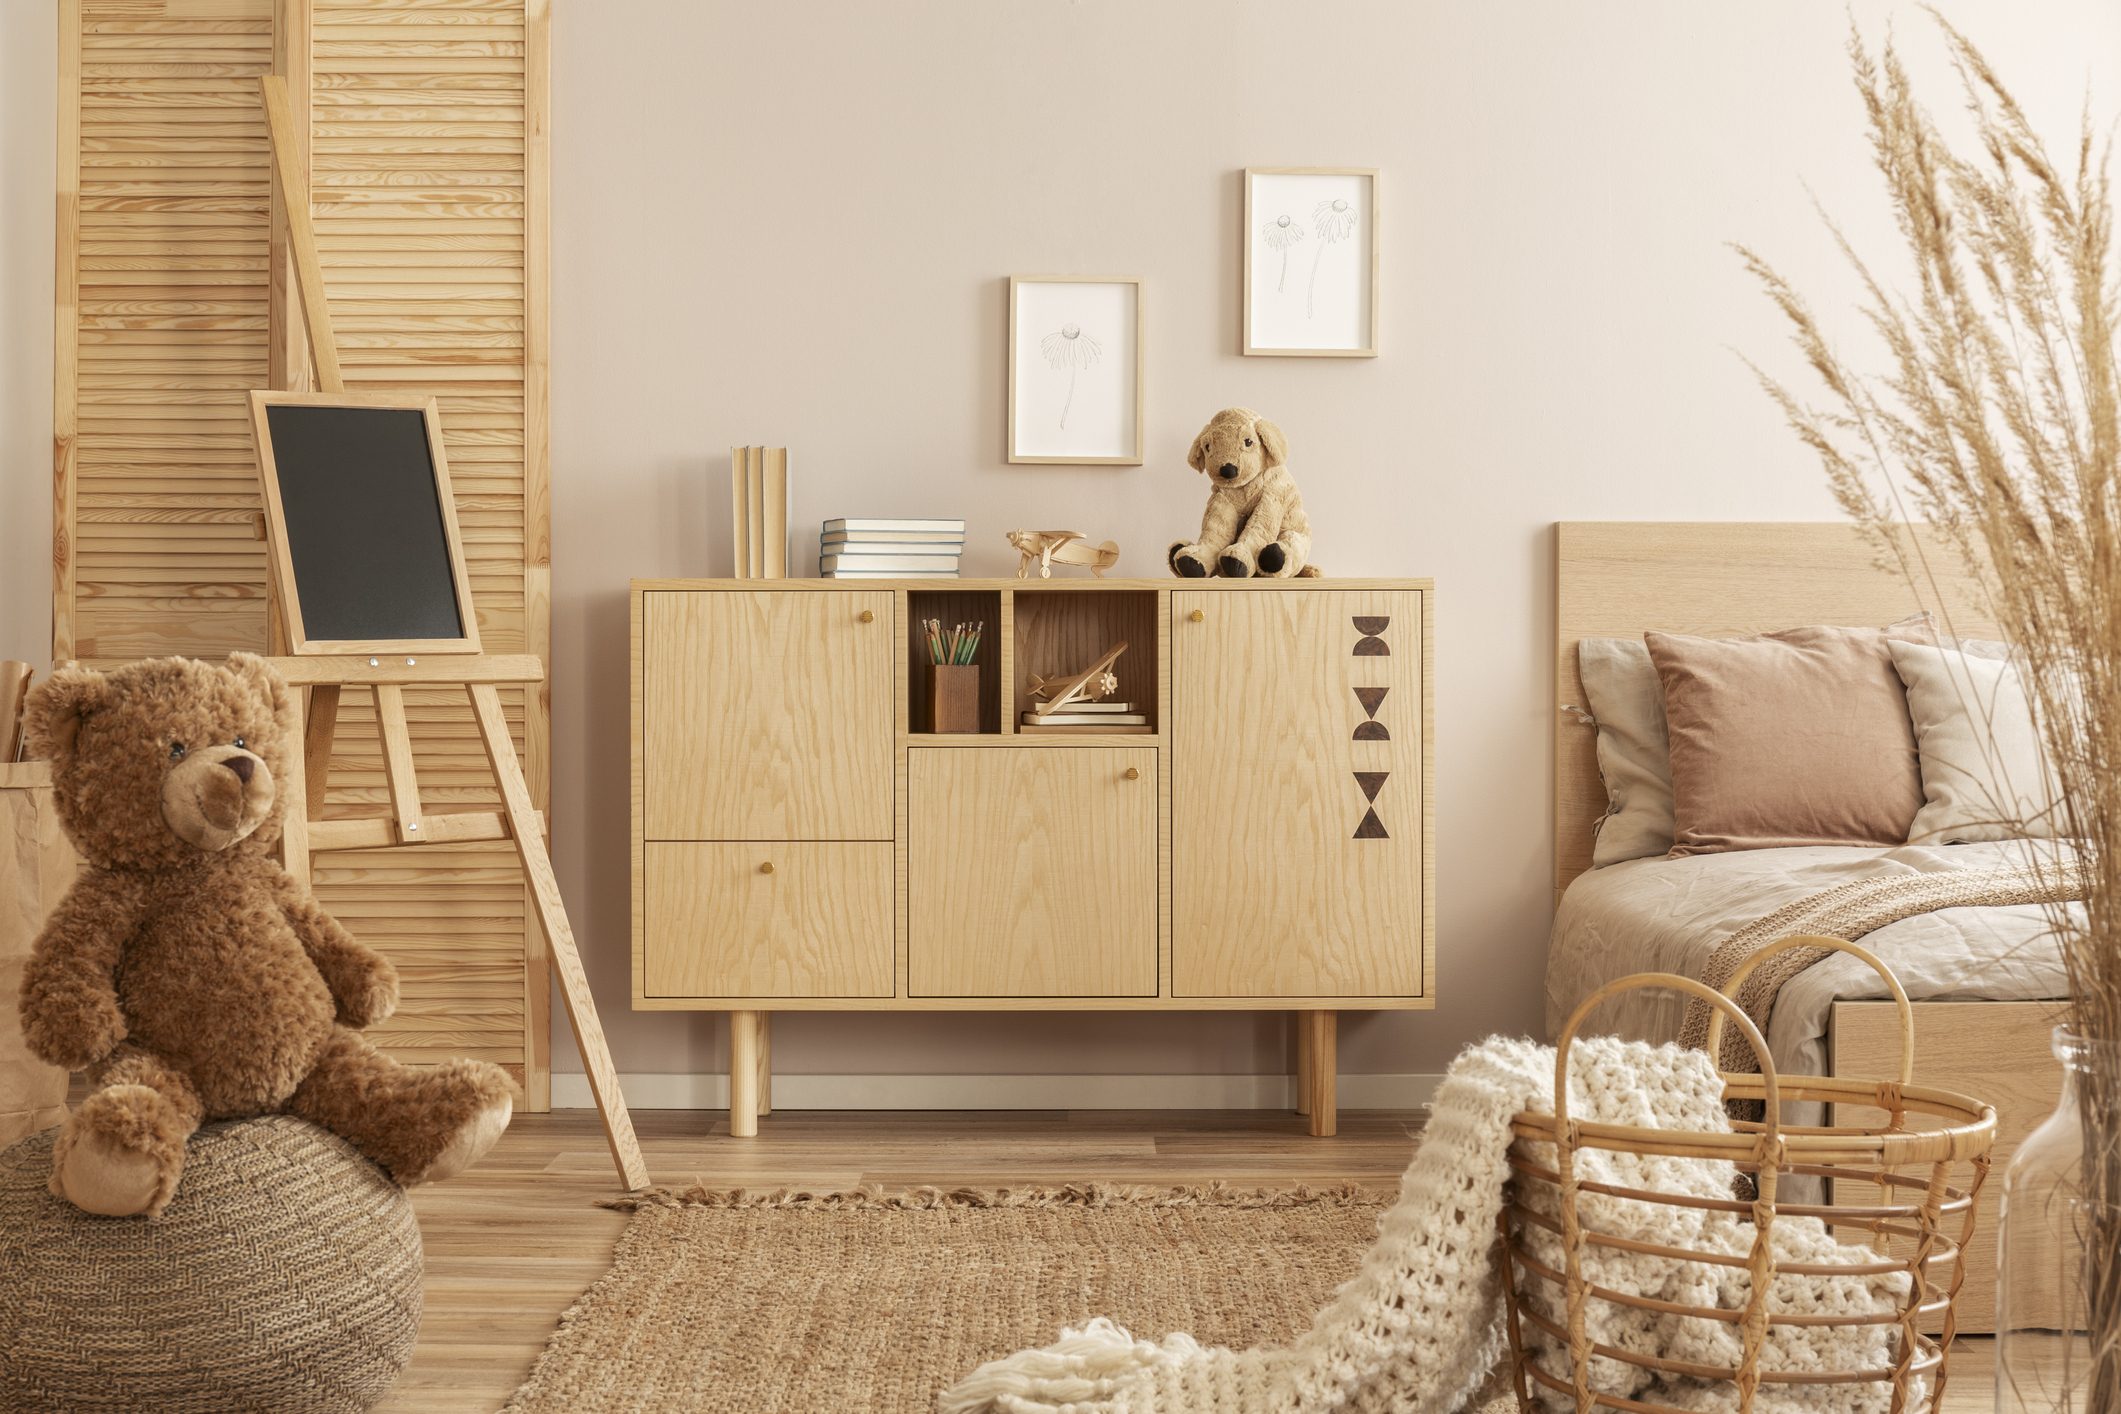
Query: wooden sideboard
(1267,843)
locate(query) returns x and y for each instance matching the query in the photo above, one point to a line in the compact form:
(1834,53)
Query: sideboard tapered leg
(743,1074)
(1323,1028)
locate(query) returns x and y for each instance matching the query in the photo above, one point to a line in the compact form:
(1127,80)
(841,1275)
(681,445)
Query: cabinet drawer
(718,924)
(1031,872)
(1298,822)
(766,716)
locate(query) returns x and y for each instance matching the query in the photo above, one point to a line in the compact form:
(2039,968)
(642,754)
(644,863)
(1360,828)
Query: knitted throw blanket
(1420,1325)
(1849,911)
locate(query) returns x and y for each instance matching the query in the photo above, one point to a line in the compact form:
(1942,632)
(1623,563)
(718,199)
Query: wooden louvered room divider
(427,128)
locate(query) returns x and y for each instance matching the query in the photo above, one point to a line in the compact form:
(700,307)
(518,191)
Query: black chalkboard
(366,536)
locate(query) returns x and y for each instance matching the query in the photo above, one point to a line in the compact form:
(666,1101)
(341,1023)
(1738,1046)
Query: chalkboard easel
(369,578)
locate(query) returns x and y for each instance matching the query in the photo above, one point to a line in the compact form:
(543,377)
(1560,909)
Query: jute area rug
(862,1303)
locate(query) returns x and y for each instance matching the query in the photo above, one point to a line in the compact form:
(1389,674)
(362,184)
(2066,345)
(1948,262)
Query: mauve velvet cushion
(1787,739)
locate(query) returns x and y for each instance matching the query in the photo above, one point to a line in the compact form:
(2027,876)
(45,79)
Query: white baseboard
(570,1091)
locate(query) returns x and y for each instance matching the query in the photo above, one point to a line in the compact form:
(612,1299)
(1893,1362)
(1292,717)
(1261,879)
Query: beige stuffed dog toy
(1255,522)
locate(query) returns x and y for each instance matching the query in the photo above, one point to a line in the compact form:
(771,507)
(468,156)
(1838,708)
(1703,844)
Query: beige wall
(792,224)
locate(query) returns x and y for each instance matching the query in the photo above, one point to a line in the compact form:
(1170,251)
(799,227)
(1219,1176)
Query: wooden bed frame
(1615,579)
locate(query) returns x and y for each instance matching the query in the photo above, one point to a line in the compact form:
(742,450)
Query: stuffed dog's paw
(1189,561)
(1236,563)
(1272,557)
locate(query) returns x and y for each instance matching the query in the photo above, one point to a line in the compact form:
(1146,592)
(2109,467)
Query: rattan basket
(1907,1225)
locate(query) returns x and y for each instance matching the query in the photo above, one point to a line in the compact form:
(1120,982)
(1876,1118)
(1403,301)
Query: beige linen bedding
(1669,915)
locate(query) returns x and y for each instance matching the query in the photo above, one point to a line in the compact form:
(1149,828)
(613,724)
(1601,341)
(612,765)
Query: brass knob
(868,616)
(767,867)
(1134,773)
(1197,616)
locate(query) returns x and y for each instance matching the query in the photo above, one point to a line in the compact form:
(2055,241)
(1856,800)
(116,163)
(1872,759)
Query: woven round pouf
(283,1278)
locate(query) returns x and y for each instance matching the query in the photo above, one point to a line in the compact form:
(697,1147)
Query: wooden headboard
(1615,579)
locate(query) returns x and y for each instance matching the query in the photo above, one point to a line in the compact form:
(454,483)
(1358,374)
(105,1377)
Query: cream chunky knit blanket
(1421,1324)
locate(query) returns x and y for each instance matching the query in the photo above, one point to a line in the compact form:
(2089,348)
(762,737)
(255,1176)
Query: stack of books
(1112,718)
(890,549)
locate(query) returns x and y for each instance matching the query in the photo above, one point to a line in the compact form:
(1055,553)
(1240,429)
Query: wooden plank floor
(512,1243)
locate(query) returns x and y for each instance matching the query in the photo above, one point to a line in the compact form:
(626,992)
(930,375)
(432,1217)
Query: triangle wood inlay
(1371,827)
(1371,782)
(1370,698)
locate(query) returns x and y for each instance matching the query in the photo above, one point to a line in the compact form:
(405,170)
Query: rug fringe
(1073,1195)
(1077,1374)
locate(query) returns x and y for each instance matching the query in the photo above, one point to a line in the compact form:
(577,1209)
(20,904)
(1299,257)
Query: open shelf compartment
(1058,633)
(952,607)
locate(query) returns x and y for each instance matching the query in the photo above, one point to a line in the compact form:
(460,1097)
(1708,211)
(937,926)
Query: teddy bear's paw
(1233,566)
(100,1164)
(479,1134)
(1272,557)
(373,1008)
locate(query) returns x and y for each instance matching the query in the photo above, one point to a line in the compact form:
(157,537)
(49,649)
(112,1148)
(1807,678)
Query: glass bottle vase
(2058,1252)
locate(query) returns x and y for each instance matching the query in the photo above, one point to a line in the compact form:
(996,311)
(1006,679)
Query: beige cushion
(1634,750)
(1786,739)
(1984,775)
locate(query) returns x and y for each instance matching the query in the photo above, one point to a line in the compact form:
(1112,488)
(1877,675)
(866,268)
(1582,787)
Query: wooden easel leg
(1324,1027)
(1303,1061)
(744,1074)
(765,1062)
(317,738)
(552,914)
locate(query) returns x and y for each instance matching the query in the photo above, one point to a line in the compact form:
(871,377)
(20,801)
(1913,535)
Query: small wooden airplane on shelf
(1103,685)
(1048,548)
(1061,691)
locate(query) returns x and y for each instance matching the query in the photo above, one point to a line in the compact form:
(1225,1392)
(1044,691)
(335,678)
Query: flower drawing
(1279,234)
(1335,221)
(1071,349)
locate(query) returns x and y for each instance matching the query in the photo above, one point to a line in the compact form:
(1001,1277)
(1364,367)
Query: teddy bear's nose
(1228,469)
(241,765)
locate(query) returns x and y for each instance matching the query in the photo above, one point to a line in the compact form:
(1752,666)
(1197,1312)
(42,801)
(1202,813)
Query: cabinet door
(1031,872)
(766,716)
(1296,794)
(768,920)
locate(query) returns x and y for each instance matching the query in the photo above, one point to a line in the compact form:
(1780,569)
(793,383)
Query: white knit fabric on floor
(1421,1324)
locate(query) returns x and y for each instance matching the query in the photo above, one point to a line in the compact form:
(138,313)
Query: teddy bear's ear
(53,711)
(1197,455)
(1272,442)
(268,684)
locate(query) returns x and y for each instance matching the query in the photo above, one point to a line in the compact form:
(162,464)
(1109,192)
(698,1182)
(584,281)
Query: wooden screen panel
(162,326)
(426,124)
(420,172)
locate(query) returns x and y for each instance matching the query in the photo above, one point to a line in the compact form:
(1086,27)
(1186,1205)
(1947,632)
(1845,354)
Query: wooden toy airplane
(1059,547)
(1100,686)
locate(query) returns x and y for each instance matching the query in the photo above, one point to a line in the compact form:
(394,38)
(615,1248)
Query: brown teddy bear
(186,971)
(1255,522)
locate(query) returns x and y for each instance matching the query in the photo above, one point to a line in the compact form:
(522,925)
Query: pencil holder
(953,697)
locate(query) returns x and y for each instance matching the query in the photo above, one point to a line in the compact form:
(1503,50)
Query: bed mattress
(1669,915)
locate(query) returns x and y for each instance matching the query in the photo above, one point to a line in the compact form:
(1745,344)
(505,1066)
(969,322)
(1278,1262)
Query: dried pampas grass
(1998,420)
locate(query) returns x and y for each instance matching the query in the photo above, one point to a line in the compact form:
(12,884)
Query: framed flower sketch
(1075,369)
(1311,261)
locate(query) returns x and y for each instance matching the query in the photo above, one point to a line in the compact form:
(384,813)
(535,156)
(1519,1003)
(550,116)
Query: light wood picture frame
(286,583)
(1311,262)
(1075,357)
